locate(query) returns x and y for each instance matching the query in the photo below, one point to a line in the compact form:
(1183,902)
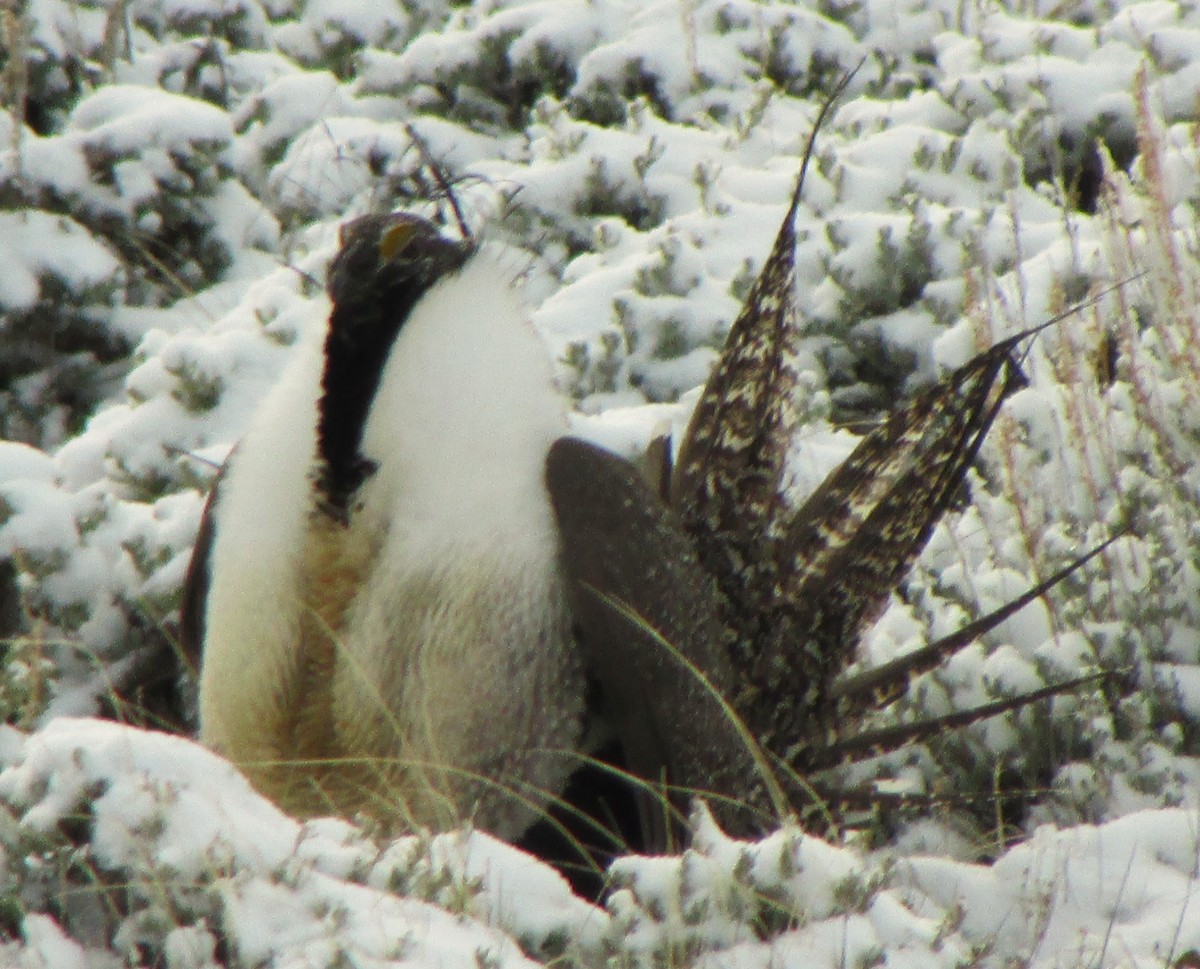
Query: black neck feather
(373,292)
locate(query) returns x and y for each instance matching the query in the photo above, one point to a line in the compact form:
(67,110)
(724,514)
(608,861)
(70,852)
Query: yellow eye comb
(392,242)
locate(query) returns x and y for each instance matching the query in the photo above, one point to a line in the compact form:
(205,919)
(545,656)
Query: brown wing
(645,617)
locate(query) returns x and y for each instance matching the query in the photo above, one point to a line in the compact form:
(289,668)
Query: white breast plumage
(398,646)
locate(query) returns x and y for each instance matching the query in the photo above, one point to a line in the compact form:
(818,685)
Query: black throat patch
(386,264)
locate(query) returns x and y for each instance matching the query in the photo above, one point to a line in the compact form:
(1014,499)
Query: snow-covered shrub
(172,174)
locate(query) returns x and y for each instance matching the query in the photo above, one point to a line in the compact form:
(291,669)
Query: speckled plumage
(763,601)
(726,485)
(798,586)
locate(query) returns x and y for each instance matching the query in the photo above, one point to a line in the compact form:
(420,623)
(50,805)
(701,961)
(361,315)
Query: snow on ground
(170,192)
(211,871)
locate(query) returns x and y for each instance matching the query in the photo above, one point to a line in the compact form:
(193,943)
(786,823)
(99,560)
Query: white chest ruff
(416,663)
(461,666)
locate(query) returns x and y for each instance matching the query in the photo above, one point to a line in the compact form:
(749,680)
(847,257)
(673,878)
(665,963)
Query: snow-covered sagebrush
(172,176)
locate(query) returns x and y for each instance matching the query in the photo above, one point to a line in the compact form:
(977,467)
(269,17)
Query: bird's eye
(392,242)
